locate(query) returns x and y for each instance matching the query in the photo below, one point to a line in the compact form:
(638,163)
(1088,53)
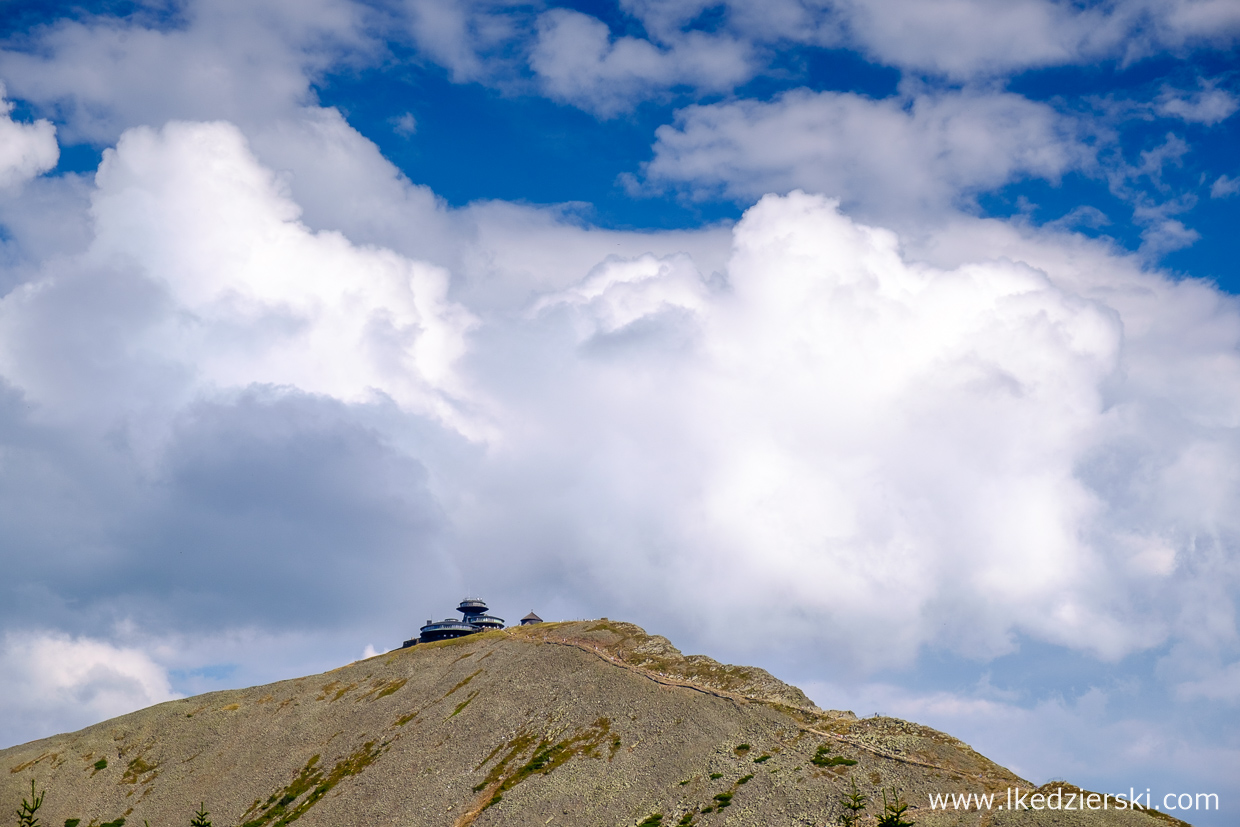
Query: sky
(893,346)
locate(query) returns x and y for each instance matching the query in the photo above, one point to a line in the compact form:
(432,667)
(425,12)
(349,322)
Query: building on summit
(530,619)
(475,620)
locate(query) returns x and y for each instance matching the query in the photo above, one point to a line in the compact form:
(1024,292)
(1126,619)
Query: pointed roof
(531,616)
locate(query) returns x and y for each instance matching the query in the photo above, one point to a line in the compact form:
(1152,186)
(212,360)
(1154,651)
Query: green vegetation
(546,758)
(382,688)
(722,800)
(715,775)
(101,764)
(652,820)
(201,817)
(823,758)
(744,779)
(741,749)
(515,747)
(283,808)
(26,815)
(853,803)
(463,704)
(338,688)
(120,822)
(72,822)
(762,759)
(137,768)
(463,683)
(686,820)
(893,811)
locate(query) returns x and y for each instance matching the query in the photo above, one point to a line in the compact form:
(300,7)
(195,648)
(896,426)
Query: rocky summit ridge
(583,723)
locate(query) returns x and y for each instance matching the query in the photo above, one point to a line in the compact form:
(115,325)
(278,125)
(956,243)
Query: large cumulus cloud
(870,450)
(883,454)
(233,290)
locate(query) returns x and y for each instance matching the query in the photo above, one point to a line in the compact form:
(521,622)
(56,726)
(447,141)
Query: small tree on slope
(200,817)
(854,803)
(893,811)
(26,815)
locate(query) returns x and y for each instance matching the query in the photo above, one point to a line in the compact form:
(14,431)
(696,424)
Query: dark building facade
(475,619)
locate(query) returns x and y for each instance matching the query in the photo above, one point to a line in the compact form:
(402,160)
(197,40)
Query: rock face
(585,723)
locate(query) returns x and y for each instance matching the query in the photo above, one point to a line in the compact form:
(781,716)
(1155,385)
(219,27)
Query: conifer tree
(854,803)
(200,817)
(26,815)
(893,811)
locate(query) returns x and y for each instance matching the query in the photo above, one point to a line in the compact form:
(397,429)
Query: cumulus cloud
(839,425)
(258,298)
(49,679)
(821,420)
(578,61)
(1208,105)
(1212,22)
(896,156)
(26,149)
(470,38)
(959,39)
(981,37)
(707,46)
(965,39)
(199,353)
(246,62)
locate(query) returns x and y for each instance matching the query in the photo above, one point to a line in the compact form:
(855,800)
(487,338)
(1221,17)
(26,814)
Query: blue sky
(902,336)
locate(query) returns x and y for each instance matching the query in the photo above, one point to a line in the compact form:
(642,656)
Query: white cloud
(899,156)
(52,682)
(577,61)
(253,295)
(822,419)
(1208,105)
(908,454)
(468,37)
(1214,22)
(26,149)
(1224,186)
(406,125)
(965,39)
(1165,235)
(241,61)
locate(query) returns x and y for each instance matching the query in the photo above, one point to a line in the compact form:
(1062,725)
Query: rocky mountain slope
(585,723)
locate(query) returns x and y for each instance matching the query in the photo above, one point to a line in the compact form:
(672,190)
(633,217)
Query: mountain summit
(584,723)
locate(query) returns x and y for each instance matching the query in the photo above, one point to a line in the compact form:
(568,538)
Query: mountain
(582,724)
